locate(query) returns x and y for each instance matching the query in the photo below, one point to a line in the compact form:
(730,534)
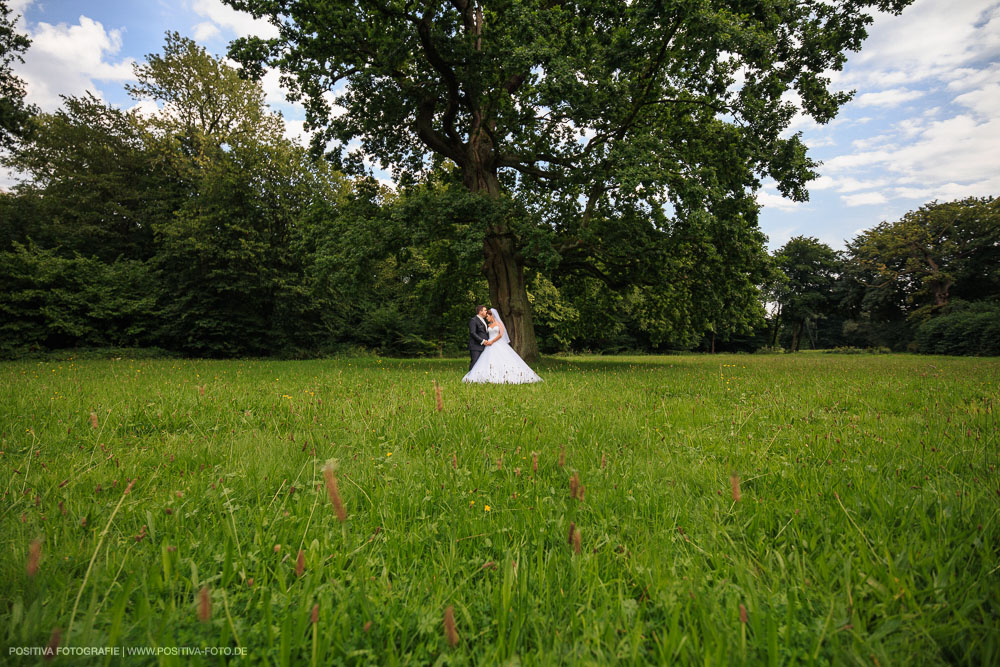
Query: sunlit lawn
(866,528)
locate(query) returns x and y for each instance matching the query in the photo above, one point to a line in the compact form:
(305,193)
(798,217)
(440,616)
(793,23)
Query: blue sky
(924,124)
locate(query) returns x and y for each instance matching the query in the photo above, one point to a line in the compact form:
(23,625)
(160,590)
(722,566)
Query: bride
(499,363)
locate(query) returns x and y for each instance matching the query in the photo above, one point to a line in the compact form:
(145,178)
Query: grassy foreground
(866,529)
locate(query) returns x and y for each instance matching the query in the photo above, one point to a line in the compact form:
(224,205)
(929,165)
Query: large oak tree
(613,126)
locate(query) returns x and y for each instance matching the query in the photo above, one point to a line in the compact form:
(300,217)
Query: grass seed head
(437,396)
(334,491)
(734,482)
(93,420)
(574,484)
(577,546)
(53,646)
(562,456)
(454,461)
(34,556)
(204,605)
(450,631)
(572,531)
(743,614)
(314,617)
(534,462)
(300,564)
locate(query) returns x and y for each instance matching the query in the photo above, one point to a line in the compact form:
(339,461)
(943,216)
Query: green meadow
(797,509)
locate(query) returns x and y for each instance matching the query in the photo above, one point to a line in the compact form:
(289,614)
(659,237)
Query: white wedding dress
(500,364)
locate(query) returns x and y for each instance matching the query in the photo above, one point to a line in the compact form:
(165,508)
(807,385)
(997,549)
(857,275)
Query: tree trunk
(508,292)
(503,266)
(796,333)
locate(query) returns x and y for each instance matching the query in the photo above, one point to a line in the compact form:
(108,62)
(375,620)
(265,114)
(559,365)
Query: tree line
(199,228)
(928,282)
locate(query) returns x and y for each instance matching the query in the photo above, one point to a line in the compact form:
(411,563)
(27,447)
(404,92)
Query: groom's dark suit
(477,334)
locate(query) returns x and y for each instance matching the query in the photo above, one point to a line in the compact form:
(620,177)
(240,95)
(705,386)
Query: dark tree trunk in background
(503,266)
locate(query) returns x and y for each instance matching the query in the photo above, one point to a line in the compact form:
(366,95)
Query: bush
(52,302)
(969,330)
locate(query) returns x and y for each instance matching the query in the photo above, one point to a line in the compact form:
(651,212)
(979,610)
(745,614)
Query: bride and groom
(491,357)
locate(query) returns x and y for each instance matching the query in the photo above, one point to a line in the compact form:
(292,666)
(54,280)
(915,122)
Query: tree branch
(446,72)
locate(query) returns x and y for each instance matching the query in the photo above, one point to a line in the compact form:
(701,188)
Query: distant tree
(233,276)
(92,184)
(805,292)
(14,111)
(939,251)
(592,117)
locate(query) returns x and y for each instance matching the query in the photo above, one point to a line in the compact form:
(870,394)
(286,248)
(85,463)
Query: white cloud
(864,199)
(145,108)
(68,59)
(296,131)
(887,98)
(768,198)
(850,184)
(17,7)
(205,31)
(240,23)
(929,39)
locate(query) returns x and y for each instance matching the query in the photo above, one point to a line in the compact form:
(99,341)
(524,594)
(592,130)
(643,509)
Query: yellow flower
(388,453)
(471,503)
(487,508)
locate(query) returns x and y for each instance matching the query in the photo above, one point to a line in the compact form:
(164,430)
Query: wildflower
(334,492)
(204,605)
(388,454)
(486,508)
(450,631)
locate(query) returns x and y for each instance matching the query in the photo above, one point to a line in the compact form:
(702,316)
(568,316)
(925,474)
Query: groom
(477,335)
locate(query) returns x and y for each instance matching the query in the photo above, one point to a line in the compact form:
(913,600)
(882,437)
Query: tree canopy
(604,120)
(14,111)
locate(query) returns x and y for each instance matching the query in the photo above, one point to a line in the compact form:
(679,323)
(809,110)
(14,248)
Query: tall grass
(723,509)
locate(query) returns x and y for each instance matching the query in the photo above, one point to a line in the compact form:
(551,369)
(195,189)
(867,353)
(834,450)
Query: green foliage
(596,119)
(50,301)
(971,329)
(868,500)
(94,187)
(939,250)
(14,113)
(804,288)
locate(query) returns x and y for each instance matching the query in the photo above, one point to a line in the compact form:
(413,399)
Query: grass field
(866,530)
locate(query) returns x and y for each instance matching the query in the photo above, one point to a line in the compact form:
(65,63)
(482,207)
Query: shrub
(968,329)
